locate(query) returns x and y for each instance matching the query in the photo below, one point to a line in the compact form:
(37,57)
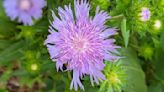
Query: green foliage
(24,58)
(135,74)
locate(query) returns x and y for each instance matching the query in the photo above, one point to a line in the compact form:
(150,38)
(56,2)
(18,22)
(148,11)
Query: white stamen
(25,4)
(80,45)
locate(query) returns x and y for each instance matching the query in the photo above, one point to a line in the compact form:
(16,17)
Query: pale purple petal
(53,51)
(100,18)
(108,32)
(76,81)
(54,37)
(82,9)
(110,57)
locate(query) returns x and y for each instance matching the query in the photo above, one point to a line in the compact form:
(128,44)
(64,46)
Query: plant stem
(69,75)
(118,16)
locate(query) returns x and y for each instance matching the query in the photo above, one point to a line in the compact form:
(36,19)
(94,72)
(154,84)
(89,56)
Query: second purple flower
(25,11)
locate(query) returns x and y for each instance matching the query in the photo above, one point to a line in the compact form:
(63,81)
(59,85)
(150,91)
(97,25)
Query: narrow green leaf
(11,52)
(4,44)
(125,33)
(162,40)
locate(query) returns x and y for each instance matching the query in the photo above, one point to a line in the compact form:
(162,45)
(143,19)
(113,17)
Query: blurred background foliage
(25,65)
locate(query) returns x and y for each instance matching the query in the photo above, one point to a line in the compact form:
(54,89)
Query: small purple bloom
(24,10)
(82,42)
(145,14)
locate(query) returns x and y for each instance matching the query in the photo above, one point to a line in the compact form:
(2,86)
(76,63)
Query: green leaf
(159,57)
(103,86)
(11,52)
(162,40)
(125,33)
(4,44)
(156,87)
(2,13)
(7,28)
(5,76)
(135,75)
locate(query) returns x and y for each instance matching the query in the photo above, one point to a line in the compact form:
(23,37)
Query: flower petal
(76,81)
(108,32)
(100,18)
(82,9)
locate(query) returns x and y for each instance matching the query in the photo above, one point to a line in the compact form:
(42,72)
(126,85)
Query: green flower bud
(115,78)
(146,51)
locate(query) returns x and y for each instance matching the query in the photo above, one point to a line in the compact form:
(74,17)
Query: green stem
(118,16)
(69,75)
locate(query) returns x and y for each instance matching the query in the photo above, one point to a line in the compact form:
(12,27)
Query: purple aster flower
(24,10)
(81,42)
(145,14)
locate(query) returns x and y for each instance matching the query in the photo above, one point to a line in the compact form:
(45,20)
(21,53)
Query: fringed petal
(76,81)
(53,51)
(82,9)
(100,18)
(53,37)
(66,14)
(108,32)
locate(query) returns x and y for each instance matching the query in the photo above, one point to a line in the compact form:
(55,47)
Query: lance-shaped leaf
(124,32)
